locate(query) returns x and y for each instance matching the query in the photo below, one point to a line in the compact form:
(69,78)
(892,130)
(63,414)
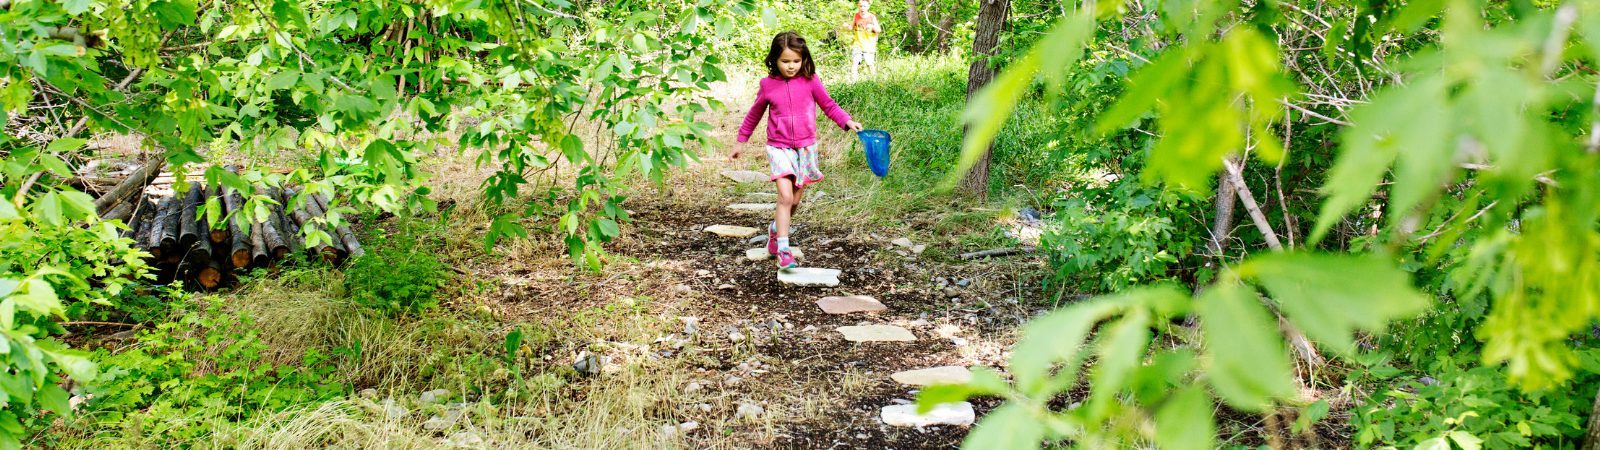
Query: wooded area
(1289,224)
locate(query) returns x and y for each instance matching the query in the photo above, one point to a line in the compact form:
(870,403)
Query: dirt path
(760,342)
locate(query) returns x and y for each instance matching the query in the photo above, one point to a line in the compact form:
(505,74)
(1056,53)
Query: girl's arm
(752,118)
(829,107)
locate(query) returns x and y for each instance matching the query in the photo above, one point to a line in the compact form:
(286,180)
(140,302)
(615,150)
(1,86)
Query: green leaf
(989,109)
(53,398)
(1247,362)
(283,80)
(1145,87)
(65,145)
(1184,422)
(609,228)
(1057,338)
(1122,346)
(76,7)
(77,366)
(1011,426)
(1438,443)
(48,210)
(1409,118)
(513,342)
(77,205)
(985,381)
(1466,440)
(1316,292)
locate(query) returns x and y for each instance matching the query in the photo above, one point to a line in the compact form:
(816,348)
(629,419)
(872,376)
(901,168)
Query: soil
(785,333)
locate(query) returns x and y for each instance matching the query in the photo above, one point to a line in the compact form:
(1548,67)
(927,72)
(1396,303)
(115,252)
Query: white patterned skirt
(799,163)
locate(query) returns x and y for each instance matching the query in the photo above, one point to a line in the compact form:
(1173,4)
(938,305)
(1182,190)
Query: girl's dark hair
(790,40)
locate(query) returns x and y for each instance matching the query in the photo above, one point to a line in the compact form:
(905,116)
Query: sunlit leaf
(1316,293)
(1246,360)
(1011,426)
(1184,421)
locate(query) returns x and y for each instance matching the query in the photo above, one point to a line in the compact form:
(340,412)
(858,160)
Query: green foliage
(1243,360)
(1117,237)
(157,387)
(1466,403)
(401,274)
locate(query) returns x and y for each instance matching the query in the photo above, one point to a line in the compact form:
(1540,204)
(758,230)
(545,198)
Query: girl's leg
(787,199)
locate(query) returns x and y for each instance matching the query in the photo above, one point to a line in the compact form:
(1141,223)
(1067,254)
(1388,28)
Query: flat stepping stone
(849,304)
(876,333)
(746,176)
(732,231)
(808,276)
(760,253)
(959,414)
(755,207)
(933,375)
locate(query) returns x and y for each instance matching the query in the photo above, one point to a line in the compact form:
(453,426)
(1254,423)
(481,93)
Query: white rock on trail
(933,375)
(876,333)
(753,207)
(807,276)
(746,176)
(760,254)
(850,304)
(903,243)
(732,231)
(960,414)
(434,396)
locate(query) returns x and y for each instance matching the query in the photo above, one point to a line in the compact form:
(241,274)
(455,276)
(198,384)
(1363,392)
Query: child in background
(865,48)
(791,91)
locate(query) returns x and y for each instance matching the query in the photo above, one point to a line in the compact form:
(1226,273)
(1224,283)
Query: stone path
(899,414)
(754,207)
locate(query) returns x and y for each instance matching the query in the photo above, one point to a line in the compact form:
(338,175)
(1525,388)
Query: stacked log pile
(183,243)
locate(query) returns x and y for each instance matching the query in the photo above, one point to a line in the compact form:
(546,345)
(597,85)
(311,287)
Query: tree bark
(942,39)
(1591,435)
(349,238)
(219,235)
(131,185)
(240,251)
(1222,228)
(314,209)
(913,32)
(188,228)
(156,229)
(991,19)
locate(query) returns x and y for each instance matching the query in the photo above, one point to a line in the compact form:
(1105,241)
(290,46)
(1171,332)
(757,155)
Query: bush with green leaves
(1471,406)
(157,387)
(400,275)
(1123,235)
(1464,146)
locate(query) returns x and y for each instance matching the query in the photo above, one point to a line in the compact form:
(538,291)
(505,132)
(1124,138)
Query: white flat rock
(732,231)
(933,375)
(760,254)
(944,414)
(746,176)
(755,207)
(876,333)
(903,242)
(808,276)
(850,304)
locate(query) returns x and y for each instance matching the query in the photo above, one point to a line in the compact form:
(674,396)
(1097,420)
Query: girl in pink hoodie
(792,92)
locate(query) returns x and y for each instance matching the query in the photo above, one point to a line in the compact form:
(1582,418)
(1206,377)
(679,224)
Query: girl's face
(789,63)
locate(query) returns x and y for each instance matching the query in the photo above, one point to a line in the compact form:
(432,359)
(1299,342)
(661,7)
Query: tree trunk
(941,42)
(1591,435)
(1222,229)
(991,19)
(130,186)
(913,34)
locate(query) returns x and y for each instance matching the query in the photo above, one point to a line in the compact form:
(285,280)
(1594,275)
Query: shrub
(399,275)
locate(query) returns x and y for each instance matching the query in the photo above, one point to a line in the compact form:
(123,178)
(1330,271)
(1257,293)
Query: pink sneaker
(786,260)
(772,243)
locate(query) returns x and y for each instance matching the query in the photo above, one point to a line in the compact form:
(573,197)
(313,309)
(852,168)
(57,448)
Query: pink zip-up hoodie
(794,111)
